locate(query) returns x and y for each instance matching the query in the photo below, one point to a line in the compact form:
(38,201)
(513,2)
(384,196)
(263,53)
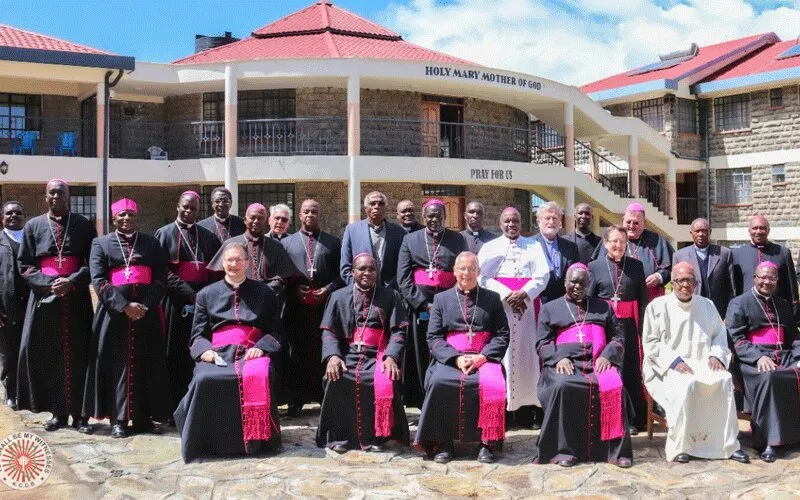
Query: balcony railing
(688,210)
(609,173)
(655,192)
(295,136)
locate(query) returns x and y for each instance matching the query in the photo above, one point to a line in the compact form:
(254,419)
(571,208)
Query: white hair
(385,198)
(550,206)
(280,207)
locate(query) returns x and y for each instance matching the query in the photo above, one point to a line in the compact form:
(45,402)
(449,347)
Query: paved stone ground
(147,466)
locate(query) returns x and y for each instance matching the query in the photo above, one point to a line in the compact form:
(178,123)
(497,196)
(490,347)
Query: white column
(569,135)
(569,209)
(633,164)
(100,140)
(231,136)
(672,189)
(354,146)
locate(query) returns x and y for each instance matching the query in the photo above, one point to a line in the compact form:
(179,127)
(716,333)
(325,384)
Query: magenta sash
(440,279)
(766,335)
(139,275)
(516,284)
(49,265)
(243,335)
(609,382)
(309,298)
(491,387)
(188,272)
(253,375)
(383,386)
(626,309)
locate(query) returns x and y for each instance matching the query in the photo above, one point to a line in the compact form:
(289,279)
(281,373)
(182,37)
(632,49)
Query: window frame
(83,201)
(31,105)
(730,185)
(650,111)
(781,173)
(683,118)
(720,113)
(773,105)
(267,194)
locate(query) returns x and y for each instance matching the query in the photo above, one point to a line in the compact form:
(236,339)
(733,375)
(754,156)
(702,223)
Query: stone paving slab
(148,466)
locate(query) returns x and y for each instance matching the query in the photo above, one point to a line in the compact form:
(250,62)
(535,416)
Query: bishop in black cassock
(764,335)
(583,237)
(465,387)
(315,254)
(620,281)
(13,298)
(581,345)
(424,268)
(363,336)
(54,260)
(230,408)
(127,364)
(189,248)
(475,235)
(222,223)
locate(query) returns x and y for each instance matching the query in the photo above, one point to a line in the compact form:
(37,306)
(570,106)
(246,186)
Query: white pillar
(569,209)
(569,135)
(672,189)
(100,141)
(633,164)
(354,146)
(231,136)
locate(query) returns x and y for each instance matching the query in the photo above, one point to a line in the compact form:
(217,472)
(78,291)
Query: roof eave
(629,91)
(747,82)
(80,59)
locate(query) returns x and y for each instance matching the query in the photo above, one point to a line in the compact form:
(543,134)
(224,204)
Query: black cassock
(223,230)
(349,410)
(453,401)
(628,278)
(127,363)
(13,301)
(319,252)
(55,337)
(747,257)
(655,254)
(188,250)
(571,429)
(772,397)
(269,262)
(476,239)
(419,253)
(587,244)
(210,418)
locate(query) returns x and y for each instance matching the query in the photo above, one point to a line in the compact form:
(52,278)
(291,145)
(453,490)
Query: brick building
(324,104)
(734,106)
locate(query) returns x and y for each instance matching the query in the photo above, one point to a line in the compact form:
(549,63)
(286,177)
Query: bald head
(682,268)
(758,230)
(57,197)
(510,223)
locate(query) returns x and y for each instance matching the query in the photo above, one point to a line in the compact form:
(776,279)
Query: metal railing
(653,191)
(408,137)
(688,210)
(600,165)
(294,136)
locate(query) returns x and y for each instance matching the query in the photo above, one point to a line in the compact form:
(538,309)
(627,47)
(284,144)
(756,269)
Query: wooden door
(454,211)
(430,129)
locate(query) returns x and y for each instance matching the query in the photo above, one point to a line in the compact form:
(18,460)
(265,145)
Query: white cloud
(579,41)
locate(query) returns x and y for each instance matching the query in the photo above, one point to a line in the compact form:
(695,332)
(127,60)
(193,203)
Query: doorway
(442,127)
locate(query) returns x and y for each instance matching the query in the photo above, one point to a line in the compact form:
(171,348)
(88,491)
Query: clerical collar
(577,302)
(581,233)
(56,218)
(310,233)
(548,240)
(14,234)
(466,292)
(435,235)
(235,284)
(512,240)
(183,225)
(368,290)
(609,257)
(127,236)
(760,296)
(685,305)
(760,247)
(377,228)
(254,239)
(222,220)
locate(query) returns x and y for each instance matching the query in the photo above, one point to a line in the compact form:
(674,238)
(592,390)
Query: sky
(571,41)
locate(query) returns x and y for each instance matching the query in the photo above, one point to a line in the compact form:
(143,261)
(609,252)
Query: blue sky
(573,41)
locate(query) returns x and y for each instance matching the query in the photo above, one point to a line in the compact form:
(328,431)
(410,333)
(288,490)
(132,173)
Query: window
(83,200)
(651,112)
(213,106)
(775,98)
(687,116)
(521,133)
(734,186)
(779,174)
(19,112)
(437,190)
(732,113)
(252,104)
(547,137)
(266,194)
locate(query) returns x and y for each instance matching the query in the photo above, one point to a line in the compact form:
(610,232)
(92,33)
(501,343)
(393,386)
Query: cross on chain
(60,260)
(615,299)
(470,336)
(127,273)
(359,344)
(580,335)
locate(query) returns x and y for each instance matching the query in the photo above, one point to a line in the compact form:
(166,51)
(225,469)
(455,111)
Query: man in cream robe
(686,357)
(516,268)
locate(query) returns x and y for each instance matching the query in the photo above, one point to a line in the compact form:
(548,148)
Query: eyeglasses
(281,219)
(685,282)
(235,260)
(771,279)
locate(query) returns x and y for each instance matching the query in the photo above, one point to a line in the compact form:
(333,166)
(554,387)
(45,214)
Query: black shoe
(11,403)
(170,422)
(339,448)
(82,425)
(682,458)
(769,454)
(146,427)
(55,423)
(633,431)
(294,410)
(567,463)
(741,457)
(445,455)
(485,455)
(118,431)
(624,463)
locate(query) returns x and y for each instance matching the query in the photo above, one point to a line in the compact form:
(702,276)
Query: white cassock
(522,259)
(700,409)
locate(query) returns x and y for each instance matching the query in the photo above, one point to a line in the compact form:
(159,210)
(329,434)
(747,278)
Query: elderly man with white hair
(560,252)
(686,356)
(280,217)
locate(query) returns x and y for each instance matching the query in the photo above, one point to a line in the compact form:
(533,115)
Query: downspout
(704,119)
(106,133)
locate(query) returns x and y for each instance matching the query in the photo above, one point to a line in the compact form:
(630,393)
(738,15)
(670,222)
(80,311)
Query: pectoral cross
(311,270)
(60,260)
(580,335)
(615,299)
(470,336)
(196,265)
(359,344)
(127,273)
(431,270)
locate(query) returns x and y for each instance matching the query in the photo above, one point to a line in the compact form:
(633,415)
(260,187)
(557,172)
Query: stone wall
(136,126)
(327,132)
(180,111)
(390,123)
(770,129)
(59,114)
(30,195)
(504,136)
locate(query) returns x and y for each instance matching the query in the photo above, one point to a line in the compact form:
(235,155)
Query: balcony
(47,136)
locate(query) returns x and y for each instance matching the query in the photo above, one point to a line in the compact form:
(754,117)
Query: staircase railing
(655,192)
(608,173)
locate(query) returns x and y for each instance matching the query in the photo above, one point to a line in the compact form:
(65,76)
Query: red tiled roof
(761,62)
(321,30)
(705,55)
(22,39)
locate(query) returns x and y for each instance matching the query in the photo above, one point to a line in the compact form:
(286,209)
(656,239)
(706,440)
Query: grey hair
(550,206)
(385,198)
(280,207)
